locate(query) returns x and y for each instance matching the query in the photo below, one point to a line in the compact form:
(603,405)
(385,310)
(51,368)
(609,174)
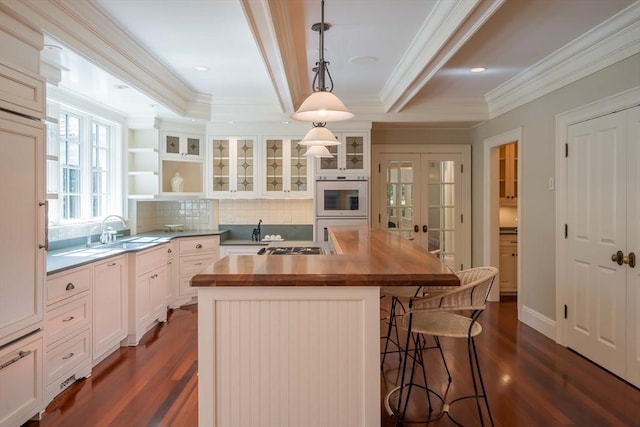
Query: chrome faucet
(107,233)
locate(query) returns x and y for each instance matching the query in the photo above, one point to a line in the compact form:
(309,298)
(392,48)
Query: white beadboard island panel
(289,356)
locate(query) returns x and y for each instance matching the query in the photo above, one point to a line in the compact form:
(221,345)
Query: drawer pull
(198,246)
(68,319)
(70,287)
(169,251)
(68,356)
(111,265)
(198,263)
(21,355)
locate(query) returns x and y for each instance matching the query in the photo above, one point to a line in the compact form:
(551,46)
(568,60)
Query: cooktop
(292,250)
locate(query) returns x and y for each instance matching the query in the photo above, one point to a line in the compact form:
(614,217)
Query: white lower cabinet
(21,384)
(508,264)
(172,274)
(195,254)
(147,295)
(109,306)
(67,331)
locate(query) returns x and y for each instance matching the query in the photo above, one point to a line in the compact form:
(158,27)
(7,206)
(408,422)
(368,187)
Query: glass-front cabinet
(286,172)
(351,156)
(232,167)
(182,146)
(181,164)
(509,174)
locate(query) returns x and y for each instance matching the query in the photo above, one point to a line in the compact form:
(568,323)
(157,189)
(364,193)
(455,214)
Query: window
(88,167)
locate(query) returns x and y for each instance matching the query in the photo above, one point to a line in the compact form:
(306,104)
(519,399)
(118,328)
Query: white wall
(537,225)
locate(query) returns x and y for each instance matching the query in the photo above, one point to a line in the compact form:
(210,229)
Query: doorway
(502,186)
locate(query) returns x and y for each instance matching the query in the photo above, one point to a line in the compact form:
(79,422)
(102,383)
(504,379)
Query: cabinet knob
(198,246)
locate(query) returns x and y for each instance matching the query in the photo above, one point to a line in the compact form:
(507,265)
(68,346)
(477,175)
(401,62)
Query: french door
(603,233)
(424,197)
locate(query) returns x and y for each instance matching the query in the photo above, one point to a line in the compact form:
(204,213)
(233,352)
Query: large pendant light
(322,105)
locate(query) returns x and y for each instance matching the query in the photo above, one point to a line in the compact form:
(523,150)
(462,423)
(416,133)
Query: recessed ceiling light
(121,87)
(478,69)
(200,68)
(363,60)
(285,123)
(52,48)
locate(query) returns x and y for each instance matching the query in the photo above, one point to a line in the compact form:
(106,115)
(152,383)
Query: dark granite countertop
(75,256)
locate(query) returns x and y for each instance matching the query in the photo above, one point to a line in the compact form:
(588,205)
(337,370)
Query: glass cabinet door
(285,168)
(232,166)
(244,170)
(274,165)
(299,171)
(221,157)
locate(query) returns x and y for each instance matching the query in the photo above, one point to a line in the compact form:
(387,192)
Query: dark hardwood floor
(530,381)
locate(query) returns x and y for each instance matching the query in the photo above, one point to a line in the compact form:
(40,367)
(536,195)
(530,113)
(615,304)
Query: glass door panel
(400,196)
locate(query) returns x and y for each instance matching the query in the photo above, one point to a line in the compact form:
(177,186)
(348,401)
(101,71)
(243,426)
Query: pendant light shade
(322,107)
(318,151)
(319,135)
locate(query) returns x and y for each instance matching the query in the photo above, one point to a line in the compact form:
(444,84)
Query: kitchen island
(295,340)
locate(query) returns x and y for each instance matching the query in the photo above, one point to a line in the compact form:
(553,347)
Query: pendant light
(319,135)
(322,105)
(318,151)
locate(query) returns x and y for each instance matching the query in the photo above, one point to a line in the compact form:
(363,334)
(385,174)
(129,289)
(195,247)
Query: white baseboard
(540,323)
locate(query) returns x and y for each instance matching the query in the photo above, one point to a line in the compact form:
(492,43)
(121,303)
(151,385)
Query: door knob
(617,257)
(630,259)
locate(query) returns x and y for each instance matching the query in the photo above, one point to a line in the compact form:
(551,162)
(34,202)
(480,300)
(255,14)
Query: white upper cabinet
(350,157)
(182,146)
(231,166)
(286,171)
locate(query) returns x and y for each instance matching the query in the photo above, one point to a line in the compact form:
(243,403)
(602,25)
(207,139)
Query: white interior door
(597,224)
(633,246)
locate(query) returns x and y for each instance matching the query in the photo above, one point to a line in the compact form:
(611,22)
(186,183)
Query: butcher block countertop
(363,257)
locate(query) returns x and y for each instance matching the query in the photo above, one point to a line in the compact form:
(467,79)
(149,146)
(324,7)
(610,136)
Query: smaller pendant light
(318,151)
(319,135)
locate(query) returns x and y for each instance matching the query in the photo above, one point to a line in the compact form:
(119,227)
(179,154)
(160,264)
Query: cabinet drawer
(21,380)
(195,264)
(67,317)
(66,356)
(149,259)
(68,283)
(199,244)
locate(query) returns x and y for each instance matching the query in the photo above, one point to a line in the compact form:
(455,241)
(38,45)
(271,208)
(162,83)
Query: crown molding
(416,66)
(18,27)
(86,28)
(606,44)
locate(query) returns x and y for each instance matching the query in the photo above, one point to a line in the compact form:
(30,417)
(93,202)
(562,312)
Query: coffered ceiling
(401,61)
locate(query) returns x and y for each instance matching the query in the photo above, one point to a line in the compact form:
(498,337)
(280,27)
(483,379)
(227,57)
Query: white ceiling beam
(446,30)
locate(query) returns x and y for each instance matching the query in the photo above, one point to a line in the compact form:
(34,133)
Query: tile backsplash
(193,214)
(208,214)
(270,211)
